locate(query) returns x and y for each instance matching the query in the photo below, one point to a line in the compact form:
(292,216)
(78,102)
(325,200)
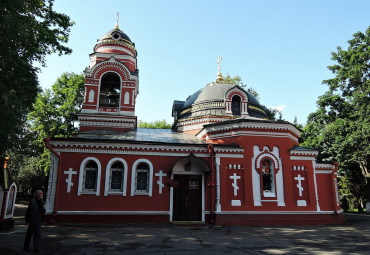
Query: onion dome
(115,41)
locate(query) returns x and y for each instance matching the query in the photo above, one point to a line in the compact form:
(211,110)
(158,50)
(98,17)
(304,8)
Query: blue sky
(280,48)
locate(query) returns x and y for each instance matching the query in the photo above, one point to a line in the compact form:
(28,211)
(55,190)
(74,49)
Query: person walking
(34,219)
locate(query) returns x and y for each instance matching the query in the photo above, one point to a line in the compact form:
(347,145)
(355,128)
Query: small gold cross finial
(219,75)
(117,27)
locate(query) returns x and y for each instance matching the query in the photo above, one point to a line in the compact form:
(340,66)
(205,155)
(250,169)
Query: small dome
(115,41)
(117,35)
(210,101)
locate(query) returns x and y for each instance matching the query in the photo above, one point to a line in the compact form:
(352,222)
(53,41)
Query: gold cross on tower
(117,27)
(219,75)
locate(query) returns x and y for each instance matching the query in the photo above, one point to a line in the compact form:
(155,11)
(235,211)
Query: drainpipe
(47,140)
(212,155)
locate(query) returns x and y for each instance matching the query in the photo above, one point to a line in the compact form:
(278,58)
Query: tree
(29,30)
(54,115)
(237,80)
(341,125)
(162,124)
(55,112)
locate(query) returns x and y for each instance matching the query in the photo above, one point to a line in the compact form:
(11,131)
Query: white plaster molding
(254,125)
(81,176)
(218,184)
(108,173)
(251,133)
(236,203)
(315,183)
(323,171)
(133,176)
(302,158)
(52,183)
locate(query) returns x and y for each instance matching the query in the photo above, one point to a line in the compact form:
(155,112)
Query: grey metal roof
(149,135)
(108,35)
(215,92)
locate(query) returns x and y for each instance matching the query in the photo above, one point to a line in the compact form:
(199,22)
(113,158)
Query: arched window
(268,184)
(142,178)
(90,176)
(109,90)
(116,177)
(235,105)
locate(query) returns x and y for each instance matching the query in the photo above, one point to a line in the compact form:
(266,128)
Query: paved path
(352,238)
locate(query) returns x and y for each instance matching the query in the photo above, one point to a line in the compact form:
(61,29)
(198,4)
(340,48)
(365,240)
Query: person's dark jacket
(35,212)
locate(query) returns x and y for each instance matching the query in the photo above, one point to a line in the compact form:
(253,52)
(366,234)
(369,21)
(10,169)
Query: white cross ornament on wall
(299,178)
(160,181)
(235,185)
(69,179)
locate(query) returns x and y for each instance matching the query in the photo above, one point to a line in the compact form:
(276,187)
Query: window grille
(90,176)
(268,176)
(116,177)
(142,178)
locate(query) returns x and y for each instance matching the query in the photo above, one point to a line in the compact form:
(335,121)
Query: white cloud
(280,108)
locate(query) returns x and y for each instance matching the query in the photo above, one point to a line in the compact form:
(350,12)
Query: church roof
(215,91)
(210,100)
(117,34)
(146,135)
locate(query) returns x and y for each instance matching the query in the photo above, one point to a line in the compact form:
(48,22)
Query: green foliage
(237,80)
(56,111)
(54,114)
(275,114)
(340,127)
(29,30)
(161,124)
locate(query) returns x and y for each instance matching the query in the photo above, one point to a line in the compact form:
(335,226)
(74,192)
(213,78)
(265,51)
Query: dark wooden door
(187,198)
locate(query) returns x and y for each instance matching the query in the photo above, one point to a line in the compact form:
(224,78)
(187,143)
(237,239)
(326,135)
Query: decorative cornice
(250,125)
(302,158)
(106,124)
(323,171)
(325,166)
(313,153)
(249,133)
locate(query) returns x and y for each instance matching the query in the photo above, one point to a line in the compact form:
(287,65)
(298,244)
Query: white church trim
(81,177)
(108,173)
(133,178)
(278,177)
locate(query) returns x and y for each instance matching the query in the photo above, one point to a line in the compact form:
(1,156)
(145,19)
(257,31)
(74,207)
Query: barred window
(116,177)
(268,183)
(90,176)
(142,178)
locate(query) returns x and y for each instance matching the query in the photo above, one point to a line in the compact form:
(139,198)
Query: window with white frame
(90,176)
(235,105)
(268,183)
(142,178)
(116,177)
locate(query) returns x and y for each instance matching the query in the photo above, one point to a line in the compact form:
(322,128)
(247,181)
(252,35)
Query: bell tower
(111,84)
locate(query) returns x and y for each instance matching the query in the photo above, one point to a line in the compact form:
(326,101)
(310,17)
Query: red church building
(223,162)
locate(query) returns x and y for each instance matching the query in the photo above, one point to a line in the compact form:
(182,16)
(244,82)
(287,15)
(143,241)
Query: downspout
(212,155)
(47,140)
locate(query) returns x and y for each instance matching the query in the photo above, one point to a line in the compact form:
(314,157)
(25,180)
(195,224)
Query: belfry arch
(110,90)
